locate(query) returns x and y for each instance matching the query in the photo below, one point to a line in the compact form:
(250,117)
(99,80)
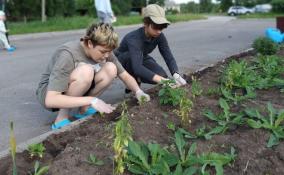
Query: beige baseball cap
(156,13)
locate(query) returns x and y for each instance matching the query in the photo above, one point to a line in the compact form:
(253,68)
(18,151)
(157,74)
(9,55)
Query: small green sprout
(36,149)
(93,160)
(142,100)
(13,148)
(39,170)
(171,126)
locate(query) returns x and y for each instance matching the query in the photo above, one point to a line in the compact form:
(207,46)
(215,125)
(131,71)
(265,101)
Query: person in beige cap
(135,47)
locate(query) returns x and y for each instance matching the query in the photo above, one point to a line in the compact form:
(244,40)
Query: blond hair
(101,34)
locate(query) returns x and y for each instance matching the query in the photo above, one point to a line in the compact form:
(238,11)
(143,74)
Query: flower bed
(68,152)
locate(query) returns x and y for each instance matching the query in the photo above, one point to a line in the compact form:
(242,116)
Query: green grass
(261,15)
(81,22)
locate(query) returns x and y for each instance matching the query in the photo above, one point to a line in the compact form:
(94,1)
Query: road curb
(23,146)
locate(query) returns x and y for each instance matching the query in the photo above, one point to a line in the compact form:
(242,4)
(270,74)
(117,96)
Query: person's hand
(179,80)
(142,96)
(101,106)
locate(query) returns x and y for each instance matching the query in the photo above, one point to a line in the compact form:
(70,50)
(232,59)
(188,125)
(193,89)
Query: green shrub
(265,46)
(277,5)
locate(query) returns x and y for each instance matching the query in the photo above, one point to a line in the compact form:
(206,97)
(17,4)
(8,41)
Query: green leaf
(279,119)
(218,168)
(273,140)
(186,133)
(254,124)
(209,114)
(135,169)
(272,113)
(191,150)
(180,143)
(225,106)
(136,150)
(190,171)
(216,130)
(161,168)
(170,158)
(178,170)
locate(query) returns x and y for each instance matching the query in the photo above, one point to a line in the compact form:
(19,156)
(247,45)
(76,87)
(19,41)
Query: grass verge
(261,15)
(81,22)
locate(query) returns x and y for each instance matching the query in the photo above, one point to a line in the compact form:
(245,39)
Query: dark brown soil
(67,152)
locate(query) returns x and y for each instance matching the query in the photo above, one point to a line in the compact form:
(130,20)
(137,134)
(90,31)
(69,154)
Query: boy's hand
(101,106)
(140,95)
(179,80)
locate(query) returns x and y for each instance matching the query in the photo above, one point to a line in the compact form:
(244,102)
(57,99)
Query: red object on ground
(280,23)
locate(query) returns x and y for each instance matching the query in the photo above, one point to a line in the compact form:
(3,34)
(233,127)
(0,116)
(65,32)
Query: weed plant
(170,95)
(40,170)
(273,122)
(13,147)
(225,118)
(93,160)
(152,159)
(36,149)
(265,46)
(185,106)
(238,81)
(196,88)
(123,134)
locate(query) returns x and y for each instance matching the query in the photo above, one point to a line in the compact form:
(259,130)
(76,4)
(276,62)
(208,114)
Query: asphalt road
(195,44)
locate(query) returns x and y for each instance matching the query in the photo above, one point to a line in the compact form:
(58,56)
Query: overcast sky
(185,1)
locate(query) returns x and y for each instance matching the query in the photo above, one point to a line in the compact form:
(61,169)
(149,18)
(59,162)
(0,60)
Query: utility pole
(43,16)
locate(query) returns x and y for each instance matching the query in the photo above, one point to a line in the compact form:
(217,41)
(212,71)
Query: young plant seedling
(185,106)
(13,147)
(196,88)
(93,160)
(36,149)
(123,134)
(171,126)
(169,95)
(238,81)
(39,170)
(224,119)
(142,100)
(273,123)
(213,91)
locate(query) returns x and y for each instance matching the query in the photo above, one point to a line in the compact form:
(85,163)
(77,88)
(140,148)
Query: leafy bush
(264,46)
(169,95)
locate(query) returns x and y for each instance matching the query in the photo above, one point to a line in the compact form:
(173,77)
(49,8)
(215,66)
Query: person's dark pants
(148,62)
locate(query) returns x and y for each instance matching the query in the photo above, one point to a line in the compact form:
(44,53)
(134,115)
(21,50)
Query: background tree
(278,6)
(121,7)
(205,6)
(160,2)
(225,5)
(190,7)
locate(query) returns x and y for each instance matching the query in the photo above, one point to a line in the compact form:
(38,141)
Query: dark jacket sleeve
(136,58)
(167,54)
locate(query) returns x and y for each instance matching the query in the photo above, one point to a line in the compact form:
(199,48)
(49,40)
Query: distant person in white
(3,37)
(104,11)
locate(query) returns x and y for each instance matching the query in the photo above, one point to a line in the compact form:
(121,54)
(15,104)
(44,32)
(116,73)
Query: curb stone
(23,146)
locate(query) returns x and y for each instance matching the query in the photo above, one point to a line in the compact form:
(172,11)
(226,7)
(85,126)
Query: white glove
(179,80)
(101,106)
(140,95)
